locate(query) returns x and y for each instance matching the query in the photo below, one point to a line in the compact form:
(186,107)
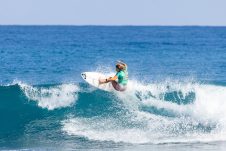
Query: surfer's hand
(102,81)
(108,79)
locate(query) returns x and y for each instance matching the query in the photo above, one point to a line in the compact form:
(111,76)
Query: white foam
(53,97)
(152,95)
(203,120)
(210,103)
(107,132)
(158,130)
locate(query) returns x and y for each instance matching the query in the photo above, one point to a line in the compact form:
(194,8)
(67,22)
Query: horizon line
(116,25)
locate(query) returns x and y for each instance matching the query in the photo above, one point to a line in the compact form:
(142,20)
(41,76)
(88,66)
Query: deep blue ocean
(176,98)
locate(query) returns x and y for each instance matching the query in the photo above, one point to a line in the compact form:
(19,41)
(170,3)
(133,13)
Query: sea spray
(191,121)
(53,97)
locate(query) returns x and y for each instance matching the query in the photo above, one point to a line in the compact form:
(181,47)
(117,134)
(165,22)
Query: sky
(113,12)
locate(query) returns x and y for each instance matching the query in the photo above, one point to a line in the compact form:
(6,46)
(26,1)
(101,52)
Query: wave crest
(53,97)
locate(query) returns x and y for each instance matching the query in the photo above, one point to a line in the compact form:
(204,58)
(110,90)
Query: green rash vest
(122,77)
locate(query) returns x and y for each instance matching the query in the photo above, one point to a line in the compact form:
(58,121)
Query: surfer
(119,81)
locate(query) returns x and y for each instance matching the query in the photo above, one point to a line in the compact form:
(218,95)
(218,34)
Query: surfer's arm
(112,78)
(101,81)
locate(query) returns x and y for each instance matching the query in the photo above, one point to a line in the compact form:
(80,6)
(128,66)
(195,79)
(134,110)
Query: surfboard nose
(83,74)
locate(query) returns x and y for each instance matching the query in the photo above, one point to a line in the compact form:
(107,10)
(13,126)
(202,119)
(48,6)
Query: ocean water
(176,98)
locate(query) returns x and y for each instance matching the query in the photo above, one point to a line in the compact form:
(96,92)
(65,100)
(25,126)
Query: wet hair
(119,66)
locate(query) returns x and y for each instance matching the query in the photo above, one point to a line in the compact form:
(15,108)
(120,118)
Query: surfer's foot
(101,81)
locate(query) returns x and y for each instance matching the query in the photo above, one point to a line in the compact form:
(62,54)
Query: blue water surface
(45,104)
(53,54)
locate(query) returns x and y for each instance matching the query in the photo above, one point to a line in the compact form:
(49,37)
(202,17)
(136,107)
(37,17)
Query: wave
(159,113)
(164,112)
(51,97)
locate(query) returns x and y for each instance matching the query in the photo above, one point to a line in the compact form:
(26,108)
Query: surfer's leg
(117,86)
(114,84)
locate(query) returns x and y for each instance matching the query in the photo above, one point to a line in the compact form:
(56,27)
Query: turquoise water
(175,99)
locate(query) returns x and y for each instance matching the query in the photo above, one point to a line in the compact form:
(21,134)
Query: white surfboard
(93,79)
